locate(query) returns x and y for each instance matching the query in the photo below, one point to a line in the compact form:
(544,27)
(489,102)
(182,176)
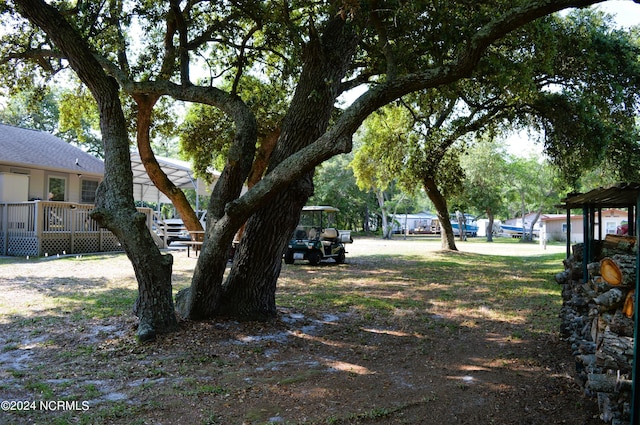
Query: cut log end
(619,270)
(629,302)
(610,272)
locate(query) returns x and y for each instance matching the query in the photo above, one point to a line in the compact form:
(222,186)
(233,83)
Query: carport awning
(622,195)
(179,172)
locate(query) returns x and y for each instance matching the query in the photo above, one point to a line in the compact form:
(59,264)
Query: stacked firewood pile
(597,318)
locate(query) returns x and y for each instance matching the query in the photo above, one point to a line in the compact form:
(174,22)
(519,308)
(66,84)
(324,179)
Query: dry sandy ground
(423,364)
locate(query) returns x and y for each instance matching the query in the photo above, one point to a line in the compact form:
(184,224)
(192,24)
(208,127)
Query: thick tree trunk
(115,208)
(154,306)
(202,299)
(384,217)
(249,291)
(116,211)
(260,164)
(490,225)
(527,232)
(461,225)
(365,221)
(440,204)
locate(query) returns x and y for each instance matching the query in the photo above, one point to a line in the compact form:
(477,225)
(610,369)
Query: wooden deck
(44,228)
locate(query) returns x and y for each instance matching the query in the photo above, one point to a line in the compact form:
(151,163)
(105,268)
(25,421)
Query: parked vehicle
(174,228)
(316,239)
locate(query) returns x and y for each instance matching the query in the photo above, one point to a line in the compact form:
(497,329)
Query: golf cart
(315,239)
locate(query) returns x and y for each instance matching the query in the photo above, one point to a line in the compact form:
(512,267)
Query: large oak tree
(540,76)
(147,50)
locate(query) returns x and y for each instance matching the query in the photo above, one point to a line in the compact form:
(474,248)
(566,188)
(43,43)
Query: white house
(47,190)
(39,166)
(555,225)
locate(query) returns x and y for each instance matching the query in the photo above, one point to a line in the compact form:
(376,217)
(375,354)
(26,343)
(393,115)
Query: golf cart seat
(329,233)
(300,233)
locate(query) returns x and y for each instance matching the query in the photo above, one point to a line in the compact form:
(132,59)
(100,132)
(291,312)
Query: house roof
(558,217)
(610,213)
(22,147)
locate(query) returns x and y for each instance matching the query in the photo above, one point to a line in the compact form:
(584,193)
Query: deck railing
(42,228)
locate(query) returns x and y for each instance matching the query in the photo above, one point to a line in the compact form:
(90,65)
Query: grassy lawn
(469,286)
(68,332)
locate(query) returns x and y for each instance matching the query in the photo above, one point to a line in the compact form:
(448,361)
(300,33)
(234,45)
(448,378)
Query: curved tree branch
(183,51)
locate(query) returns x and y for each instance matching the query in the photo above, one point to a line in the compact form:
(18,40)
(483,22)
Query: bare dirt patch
(391,337)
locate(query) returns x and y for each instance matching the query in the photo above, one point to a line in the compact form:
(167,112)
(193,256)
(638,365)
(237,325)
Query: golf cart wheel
(288,257)
(314,258)
(340,258)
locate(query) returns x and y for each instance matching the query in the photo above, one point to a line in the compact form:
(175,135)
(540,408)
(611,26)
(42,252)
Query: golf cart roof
(320,208)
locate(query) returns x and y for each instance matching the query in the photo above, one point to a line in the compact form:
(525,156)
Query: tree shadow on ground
(380,340)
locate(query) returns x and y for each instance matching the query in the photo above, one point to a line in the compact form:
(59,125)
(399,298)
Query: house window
(564,227)
(611,227)
(88,191)
(57,188)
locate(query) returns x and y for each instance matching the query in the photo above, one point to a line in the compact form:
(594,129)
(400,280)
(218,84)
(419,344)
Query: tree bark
(490,225)
(384,217)
(622,323)
(158,177)
(610,300)
(115,208)
(619,244)
(533,223)
(615,352)
(600,382)
(202,299)
(263,155)
(260,164)
(440,204)
(249,291)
